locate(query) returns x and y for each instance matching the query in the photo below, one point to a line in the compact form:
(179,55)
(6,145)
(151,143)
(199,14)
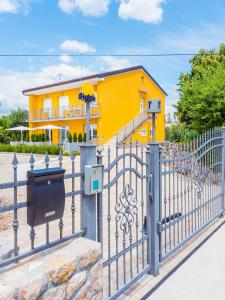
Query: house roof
(95,76)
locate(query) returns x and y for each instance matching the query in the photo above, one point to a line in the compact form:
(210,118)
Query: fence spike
(32,161)
(60,158)
(15,161)
(99,151)
(47,160)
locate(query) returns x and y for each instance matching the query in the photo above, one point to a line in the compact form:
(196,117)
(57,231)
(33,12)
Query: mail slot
(45,195)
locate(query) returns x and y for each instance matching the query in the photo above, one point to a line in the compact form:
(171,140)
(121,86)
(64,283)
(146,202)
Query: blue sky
(101,27)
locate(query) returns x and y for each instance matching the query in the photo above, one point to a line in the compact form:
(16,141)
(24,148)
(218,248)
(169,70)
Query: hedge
(42,149)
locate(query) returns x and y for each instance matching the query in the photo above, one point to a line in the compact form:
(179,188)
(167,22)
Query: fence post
(153,206)
(223,172)
(99,204)
(88,203)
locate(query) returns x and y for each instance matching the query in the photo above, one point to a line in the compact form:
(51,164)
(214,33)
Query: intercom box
(45,195)
(94,175)
(154,106)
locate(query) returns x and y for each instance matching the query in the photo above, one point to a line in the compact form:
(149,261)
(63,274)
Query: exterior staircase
(128,129)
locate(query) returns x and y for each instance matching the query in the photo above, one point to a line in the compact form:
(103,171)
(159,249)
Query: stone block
(57,293)
(63,273)
(75,283)
(96,277)
(84,293)
(33,289)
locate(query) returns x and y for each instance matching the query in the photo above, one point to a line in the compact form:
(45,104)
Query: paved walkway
(201,277)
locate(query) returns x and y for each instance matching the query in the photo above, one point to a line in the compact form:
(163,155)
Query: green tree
(84,137)
(4,122)
(202,91)
(18,118)
(75,137)
(80,138)
(70,138)
(4,136)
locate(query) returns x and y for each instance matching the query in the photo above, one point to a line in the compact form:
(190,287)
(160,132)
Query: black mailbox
(45,195)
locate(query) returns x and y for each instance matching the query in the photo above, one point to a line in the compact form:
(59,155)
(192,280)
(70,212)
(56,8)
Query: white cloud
(13,82)
(14,6)
(66,59)
(113,63)
(148,11)
(94,8)
(76,46)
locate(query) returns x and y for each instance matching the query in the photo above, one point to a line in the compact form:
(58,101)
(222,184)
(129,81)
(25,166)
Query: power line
(111,55)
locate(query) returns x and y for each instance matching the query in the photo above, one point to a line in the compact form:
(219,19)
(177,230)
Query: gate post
(99,204)
(88,202)
(223,172)
(153,206)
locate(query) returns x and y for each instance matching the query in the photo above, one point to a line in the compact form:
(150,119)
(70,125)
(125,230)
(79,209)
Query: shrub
(22,148)
(33,138)
(180,133)
(80,138)
(75,139)
(4,136)
(84,139)
(70,138)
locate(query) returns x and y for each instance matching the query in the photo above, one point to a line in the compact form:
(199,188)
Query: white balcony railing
(61,113)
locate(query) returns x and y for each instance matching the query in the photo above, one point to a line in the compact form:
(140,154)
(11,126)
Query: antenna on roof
(59,77)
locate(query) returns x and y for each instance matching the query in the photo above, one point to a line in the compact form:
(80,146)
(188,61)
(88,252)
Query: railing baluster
(117,232)
(73,207)
(15,163)
(32,231)
(109,225)
(61,224)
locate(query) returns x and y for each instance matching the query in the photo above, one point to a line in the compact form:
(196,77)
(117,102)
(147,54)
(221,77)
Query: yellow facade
(120,97)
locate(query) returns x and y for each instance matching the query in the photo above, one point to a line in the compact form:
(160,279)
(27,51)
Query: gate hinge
(159,227)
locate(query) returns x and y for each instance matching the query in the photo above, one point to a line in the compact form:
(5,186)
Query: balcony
(63,113)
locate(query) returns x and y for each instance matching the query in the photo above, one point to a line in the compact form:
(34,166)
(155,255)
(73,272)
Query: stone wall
(70,271)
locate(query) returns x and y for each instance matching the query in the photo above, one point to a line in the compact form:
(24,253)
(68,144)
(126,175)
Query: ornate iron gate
(192,189)
(124,207)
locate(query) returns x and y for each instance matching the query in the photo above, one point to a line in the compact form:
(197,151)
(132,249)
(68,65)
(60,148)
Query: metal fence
(16,240)
(192,189)
(155,199)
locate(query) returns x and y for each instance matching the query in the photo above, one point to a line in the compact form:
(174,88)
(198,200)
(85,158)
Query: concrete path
(201,277)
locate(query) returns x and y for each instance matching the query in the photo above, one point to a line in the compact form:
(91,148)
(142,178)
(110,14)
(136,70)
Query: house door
(63,105)
(63,134)
(47,105)
(93,131)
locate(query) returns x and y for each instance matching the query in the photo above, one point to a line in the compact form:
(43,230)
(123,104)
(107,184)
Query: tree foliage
(180,133)
(202,91)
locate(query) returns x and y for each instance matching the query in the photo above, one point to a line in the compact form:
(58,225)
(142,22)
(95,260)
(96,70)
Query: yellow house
(119,109)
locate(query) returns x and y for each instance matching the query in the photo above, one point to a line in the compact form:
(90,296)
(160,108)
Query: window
(94,103)
(47,105)
(143,132)
(63,105)
(142,79)
(93,131)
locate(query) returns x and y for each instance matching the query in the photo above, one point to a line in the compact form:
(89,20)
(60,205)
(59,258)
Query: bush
(80,138)
(53,150)
(180,133)
(70,138)
(4,136)
(75,139)
(84,139)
